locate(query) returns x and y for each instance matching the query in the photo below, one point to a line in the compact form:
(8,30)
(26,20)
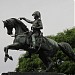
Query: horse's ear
(3,22)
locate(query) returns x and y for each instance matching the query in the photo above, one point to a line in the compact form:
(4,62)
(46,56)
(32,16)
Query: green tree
(30,64)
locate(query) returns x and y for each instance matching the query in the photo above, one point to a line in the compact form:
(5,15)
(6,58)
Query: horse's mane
(18,22)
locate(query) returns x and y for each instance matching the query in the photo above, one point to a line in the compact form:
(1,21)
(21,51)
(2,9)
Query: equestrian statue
(34,41)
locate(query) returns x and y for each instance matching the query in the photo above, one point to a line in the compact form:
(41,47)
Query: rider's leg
(33,41)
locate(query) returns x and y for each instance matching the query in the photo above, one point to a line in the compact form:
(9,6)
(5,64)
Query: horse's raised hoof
(10,57)
(6,55)
(5,59)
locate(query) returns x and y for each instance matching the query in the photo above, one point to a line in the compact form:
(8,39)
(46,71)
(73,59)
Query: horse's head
(8,26)
(19,26)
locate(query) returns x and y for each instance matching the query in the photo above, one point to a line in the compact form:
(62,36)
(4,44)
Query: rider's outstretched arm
(27,20)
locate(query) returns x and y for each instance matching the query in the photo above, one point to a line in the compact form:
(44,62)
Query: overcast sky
(57,15)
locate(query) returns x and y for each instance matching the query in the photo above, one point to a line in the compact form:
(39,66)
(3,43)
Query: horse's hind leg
(12,46)
(46,60)
(49,64)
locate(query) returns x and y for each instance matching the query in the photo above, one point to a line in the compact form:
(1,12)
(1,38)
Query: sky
(56,15)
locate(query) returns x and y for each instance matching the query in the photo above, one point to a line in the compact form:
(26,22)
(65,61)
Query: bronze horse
(47,49)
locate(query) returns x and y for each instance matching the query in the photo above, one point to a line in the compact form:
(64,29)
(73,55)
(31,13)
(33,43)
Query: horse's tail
(67,49)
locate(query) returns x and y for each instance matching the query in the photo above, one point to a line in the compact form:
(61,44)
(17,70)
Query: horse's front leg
(12,46)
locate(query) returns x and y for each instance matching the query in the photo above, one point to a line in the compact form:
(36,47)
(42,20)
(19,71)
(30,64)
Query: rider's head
(36,15)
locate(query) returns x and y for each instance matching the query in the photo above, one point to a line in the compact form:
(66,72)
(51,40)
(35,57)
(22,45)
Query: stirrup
(32,47)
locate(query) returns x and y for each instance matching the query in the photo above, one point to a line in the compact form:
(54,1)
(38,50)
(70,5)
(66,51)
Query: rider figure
(36,26)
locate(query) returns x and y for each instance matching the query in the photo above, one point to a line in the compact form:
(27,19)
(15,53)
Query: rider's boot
(32,46)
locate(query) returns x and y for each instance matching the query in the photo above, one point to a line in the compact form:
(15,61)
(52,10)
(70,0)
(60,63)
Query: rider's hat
(37,13)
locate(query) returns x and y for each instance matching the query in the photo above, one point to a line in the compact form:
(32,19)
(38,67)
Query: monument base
(32,73)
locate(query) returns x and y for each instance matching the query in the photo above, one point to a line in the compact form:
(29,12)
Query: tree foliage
(63,63)
(66,36)
(30,64)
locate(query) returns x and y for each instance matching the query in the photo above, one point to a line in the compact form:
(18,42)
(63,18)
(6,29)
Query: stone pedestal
(32,73)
